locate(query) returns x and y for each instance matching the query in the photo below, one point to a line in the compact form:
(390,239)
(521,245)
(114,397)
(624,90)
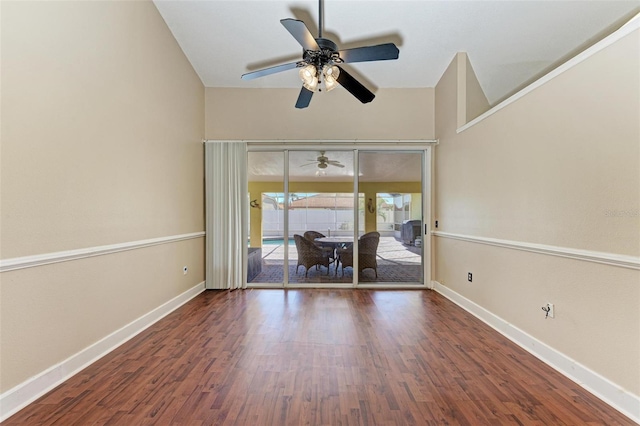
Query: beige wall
(102,122)
(270,114)
(549,169)
(475,101)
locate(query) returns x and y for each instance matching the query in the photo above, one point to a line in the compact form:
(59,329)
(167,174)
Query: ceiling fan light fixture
(312,86)
(330,84)
(309,77)
(307,73)
(330,73)
(321,173)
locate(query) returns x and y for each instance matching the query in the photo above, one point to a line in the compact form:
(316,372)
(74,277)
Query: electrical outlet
(470,277)
(436,223)
(184,270)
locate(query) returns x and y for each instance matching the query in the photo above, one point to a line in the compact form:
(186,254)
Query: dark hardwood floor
(319,357)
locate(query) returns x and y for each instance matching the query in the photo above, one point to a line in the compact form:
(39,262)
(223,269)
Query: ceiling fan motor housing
(328,53)
(325,43)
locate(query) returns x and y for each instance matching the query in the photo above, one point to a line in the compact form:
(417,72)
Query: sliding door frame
(356,146)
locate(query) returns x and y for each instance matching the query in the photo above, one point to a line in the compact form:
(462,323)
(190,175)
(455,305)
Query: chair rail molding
(620,260)
(64,256)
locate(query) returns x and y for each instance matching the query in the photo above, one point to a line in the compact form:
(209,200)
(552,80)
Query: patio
(397,263)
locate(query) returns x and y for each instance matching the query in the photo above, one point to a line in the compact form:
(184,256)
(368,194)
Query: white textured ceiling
(509,43)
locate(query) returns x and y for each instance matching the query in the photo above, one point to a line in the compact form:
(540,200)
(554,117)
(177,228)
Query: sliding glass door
(392,185)
(337,217)
(321,214)
(267,242)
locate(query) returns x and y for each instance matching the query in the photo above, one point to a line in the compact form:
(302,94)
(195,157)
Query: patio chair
(329,248)
(309,254)
(367,254)
(312,235)
(371,234)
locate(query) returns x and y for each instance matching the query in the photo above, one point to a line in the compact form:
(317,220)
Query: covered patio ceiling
(374,166)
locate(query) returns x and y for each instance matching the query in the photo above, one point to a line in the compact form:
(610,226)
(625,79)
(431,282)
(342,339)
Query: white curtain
(226,214)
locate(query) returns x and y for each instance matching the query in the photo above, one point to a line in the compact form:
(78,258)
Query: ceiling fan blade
(301,33)
(354,87)
(304,98)
(335,163)
(380,52)
(269,71)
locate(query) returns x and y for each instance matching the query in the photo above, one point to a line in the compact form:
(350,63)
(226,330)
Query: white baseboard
(22,395)
(620,399)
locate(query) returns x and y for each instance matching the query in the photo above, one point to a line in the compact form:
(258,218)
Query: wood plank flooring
(319,357)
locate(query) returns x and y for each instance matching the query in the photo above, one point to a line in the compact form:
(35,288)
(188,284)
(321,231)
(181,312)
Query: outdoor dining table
(335,241)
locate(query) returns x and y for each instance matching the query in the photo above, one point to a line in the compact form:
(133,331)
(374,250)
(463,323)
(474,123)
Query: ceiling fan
(323,162)
(320,59)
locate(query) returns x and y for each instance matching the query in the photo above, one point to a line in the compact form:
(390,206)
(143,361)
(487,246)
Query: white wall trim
(258,145)
(64,256)
(626,29)
(310,143)
(617,397)
(20,396)
(623,261)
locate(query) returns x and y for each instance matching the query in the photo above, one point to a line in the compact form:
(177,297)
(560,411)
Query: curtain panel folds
(226,213)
